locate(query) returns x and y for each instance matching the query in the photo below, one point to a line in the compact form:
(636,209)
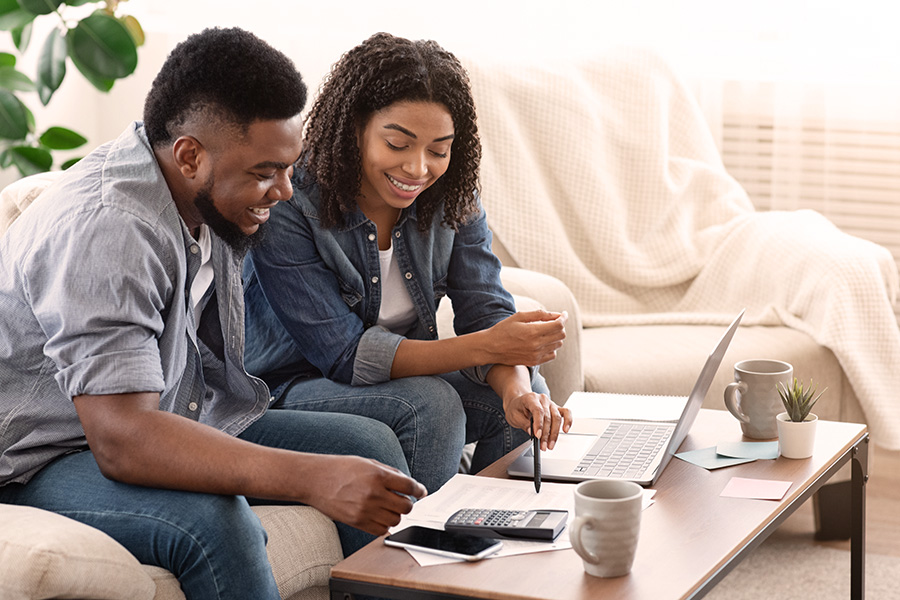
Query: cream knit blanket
(604,174)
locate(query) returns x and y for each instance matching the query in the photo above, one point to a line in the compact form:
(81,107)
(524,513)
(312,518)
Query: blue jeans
(433,417)
(215,545)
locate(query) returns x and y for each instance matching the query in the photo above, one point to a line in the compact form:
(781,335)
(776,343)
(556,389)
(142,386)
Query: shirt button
(371,237)
(195,249)
(396,234)
(408,275)
(192,406)
(374,280)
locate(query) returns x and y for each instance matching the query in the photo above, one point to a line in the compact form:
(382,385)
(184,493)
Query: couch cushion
(303,546)
(46,555)
(666,359)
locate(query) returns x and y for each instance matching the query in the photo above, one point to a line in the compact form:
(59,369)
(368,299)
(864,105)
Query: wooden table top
(686,537)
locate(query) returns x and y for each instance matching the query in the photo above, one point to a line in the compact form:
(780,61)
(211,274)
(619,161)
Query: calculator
(543,525)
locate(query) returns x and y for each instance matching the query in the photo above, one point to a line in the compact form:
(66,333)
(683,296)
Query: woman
(384,221)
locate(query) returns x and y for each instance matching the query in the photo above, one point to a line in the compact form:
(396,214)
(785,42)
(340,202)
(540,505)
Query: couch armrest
(564,374)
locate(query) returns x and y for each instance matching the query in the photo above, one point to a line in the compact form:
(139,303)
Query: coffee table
(690,538)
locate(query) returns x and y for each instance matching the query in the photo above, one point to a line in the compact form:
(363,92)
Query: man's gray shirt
(95,299)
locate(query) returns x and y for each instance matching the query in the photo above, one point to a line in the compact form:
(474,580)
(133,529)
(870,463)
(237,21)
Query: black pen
(537,458)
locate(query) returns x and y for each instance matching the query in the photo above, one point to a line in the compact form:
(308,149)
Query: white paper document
(469,491)
(632,407)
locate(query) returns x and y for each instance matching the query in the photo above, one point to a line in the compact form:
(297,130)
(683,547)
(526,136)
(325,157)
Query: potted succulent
(797,425)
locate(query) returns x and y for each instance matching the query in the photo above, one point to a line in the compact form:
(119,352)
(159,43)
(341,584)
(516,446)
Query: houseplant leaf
(13,117)
(7,59)
(134,28)
(60,138)
(12,16)
(13,79)
(52,65)
(22,36)
(30,160)
(39,7)
(101,45)
(69,163)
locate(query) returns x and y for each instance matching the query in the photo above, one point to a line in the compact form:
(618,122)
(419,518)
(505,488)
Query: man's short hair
(229,74)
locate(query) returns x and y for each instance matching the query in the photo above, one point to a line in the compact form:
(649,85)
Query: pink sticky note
(760,489)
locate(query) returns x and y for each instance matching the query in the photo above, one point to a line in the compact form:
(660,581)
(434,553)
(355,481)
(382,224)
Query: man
(123,398)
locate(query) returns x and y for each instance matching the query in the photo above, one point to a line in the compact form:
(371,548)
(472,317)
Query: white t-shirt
(204,276)
(397,312)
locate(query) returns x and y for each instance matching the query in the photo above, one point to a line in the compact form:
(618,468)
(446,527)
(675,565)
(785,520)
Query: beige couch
(602,172)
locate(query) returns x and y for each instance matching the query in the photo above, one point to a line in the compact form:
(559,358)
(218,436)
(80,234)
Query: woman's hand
(549,418)
(526,338)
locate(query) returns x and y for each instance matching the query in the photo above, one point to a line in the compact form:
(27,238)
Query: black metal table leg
(860,475)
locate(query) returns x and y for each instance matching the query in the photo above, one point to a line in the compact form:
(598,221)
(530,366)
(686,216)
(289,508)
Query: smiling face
(404,149)
(243,176)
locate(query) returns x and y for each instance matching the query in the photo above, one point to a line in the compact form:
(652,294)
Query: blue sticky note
(765,450)
(709,459)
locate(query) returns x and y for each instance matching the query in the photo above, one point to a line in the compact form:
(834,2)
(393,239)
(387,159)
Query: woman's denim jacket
(312,294)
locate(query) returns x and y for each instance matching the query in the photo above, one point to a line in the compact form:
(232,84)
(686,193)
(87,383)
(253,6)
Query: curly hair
(381,71)
(229,74)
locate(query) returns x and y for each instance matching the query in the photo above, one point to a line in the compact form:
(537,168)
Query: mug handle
(583,521)
(732,403)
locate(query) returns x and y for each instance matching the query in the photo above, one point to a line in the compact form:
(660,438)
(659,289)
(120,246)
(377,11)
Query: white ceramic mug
(606,526)
(753,396)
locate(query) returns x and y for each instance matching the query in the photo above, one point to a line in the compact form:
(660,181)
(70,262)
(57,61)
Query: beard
(230,233)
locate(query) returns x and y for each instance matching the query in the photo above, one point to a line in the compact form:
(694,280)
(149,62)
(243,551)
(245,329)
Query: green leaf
(5,159)
(102,46)
(12,79)
(22,36)
(39,7)
(31,160)
(13,117)
(12,16)
(101,83)
(29,119)
(79,2)
(60,138)
(70,162)
(134,28)
(7,59)
(52,65)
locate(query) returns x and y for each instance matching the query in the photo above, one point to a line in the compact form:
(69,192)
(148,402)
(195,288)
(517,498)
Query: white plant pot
(796,440)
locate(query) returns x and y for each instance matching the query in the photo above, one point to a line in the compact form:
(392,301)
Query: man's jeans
(433,418)
(215,545)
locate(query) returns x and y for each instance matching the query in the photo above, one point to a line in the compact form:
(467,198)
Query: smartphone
(445,543)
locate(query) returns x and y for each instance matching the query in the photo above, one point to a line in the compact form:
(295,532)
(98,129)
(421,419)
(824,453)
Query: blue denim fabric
(433,418)
(95,299)
(313,294)
(215,545)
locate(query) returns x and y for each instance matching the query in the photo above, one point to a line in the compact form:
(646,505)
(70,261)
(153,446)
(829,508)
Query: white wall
(785,39)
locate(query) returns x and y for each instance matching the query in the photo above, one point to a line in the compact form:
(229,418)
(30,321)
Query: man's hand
(526,338)
(364,493)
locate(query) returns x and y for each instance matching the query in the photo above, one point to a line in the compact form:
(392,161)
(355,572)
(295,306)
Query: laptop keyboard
(624,450)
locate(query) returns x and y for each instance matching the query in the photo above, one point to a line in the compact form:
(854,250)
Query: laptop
(633,449)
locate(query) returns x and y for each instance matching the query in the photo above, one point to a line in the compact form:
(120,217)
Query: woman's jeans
(433,417)
(215,545)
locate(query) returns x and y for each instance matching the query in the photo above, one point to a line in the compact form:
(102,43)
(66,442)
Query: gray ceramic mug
(606,526)
(753,396)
